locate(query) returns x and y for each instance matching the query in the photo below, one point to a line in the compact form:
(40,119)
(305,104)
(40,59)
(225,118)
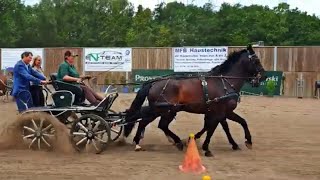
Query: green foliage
(114,23)
(271,86)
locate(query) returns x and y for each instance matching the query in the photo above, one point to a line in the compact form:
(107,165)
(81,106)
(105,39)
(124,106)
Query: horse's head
(253,66)
(242,63)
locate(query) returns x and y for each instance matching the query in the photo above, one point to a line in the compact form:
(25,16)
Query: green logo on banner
(93,56)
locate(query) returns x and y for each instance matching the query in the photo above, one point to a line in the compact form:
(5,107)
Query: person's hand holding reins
(82,78)
(79,80)
(44,82)
(86,77)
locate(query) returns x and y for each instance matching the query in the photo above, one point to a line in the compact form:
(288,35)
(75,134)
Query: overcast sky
(310,6)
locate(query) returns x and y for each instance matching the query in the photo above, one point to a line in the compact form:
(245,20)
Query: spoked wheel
(115,129)
(39,133)
(90,132)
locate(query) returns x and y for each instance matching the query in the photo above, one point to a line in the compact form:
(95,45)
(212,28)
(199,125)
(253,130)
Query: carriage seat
(58,85)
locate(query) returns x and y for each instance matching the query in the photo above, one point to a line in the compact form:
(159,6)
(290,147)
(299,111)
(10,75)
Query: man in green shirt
(68,73)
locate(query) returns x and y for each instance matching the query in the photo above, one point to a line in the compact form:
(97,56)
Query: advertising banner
(198,59)
(10,56)
(108,59)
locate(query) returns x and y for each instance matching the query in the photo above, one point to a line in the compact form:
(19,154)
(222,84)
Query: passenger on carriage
(23,74)
(68,73)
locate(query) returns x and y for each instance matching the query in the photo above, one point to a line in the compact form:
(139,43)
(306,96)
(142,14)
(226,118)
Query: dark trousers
(37,95)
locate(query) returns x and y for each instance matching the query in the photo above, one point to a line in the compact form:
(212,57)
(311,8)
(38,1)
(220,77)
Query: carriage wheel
(115,129)
(39,133)
(90,132)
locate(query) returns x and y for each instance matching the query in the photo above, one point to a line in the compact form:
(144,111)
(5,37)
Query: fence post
(275,58)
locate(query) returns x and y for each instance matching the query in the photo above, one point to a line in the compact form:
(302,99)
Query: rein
(184,77)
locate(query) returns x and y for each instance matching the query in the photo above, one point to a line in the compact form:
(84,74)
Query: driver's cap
(69,53)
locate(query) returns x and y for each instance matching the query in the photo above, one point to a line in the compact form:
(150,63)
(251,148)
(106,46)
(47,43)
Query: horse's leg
(203,130)
(211,124)
(140,131)
(316,90)
(225,127)
(164,122)
(170,140)
(200,133)
(235,117)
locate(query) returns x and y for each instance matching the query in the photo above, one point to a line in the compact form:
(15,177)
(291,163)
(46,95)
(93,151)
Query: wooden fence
(293,61)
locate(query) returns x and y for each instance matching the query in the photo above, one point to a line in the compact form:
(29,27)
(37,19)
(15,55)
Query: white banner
(10,56)
(198,59)
(108,59)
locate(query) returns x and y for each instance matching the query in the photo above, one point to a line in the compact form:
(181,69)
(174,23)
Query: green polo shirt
(66,69)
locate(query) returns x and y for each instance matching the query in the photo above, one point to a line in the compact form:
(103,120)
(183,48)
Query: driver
(68,73)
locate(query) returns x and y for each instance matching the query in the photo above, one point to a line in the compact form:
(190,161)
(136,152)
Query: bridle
(255,80)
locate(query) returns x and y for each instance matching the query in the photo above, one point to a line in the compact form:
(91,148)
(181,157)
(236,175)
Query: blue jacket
(22,77)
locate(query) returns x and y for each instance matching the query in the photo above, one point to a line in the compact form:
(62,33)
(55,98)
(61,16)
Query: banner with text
(198,59)
(108,59)
(10,56)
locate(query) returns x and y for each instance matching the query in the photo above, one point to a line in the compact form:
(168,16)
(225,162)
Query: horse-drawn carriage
(214,94)
(91,125)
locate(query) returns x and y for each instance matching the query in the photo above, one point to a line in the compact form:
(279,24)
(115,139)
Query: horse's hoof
(139,148)
(248,144)
(179,146)
(208,154)
(235,148)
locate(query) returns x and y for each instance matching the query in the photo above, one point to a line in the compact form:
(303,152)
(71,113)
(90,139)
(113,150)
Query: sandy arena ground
(285,134)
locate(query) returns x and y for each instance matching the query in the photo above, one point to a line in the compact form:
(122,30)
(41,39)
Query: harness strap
(204,84)
(162,92)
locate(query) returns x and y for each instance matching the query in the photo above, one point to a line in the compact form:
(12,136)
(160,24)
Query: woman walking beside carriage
(36,90)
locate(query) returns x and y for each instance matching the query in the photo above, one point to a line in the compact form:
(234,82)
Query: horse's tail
(144,114)
(140,98)
(133,113)
(131,123)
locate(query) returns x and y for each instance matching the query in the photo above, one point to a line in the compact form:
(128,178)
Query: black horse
(214,95)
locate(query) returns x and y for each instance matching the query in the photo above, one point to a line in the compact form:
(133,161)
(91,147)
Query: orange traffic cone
(192,161)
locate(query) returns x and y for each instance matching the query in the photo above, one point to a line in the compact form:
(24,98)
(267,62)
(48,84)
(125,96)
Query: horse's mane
(233,57)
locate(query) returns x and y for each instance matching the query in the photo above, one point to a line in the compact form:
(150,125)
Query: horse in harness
(4,88)
(215,94)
